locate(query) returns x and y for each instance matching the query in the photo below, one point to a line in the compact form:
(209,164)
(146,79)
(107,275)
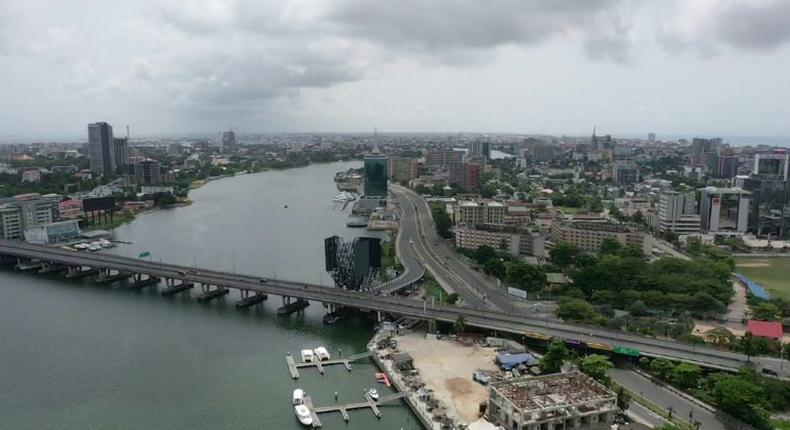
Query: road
(483,318)
(665,398)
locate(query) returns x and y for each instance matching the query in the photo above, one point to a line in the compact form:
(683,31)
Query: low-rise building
(471,213)
(24,211)
(588,236)
(512,240)
(551,402)
(55,232)
(402,169)
(71,209)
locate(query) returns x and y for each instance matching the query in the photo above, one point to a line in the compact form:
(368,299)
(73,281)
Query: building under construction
(559,401)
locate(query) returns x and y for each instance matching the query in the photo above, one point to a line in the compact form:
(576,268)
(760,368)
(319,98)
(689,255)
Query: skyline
(702,67)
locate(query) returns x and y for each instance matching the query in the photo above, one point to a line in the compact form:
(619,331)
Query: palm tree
(460,324)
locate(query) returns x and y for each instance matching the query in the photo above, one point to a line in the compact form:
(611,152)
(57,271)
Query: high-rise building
(101,148)
(769,212)
(402,169)
(724,210)
(443,157)
(772,166)
(121,152)
(375,179)
(465,175)
(726,166)
(481,147)
(149,172)
(228,141)
(625,173)
(474,213)
(677,212)
(539,151)
(651,137)
(24,211)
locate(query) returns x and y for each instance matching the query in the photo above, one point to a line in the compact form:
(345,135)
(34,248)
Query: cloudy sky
(553,66)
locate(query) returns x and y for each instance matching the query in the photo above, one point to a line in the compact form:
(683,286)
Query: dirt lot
(446,367)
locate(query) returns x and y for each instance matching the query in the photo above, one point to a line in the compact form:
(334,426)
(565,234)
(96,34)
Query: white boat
(298,397)
(80,246)
(321,353)
(106,243)
(94,248)
(303,414)
(373,393)
(307,355)
(344,196)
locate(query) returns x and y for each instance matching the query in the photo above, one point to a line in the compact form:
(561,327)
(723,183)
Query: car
(263,280)
(769,372)
(182,273)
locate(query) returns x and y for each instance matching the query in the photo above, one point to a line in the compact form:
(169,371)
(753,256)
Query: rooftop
(770,329)
(552,391)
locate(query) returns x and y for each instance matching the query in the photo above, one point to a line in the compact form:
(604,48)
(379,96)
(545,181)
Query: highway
(483,318)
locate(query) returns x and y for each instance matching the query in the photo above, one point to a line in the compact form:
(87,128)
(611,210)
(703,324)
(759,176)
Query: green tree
(694,245)
(460,325)
(488,191)
(662,367)
(564,254)
(495,267)
(610,245)
(765,311)
(442,221)
(556,354)
(451,298)
(638,308)
(623,399)
(597,367)
(484,253)
(525,276)
(685,375)
(741,398)
(748,345)
(577,310)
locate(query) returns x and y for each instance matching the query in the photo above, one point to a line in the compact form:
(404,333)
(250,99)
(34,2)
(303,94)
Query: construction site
(552,402)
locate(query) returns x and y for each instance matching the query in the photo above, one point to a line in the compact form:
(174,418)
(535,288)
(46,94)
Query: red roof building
(768,329)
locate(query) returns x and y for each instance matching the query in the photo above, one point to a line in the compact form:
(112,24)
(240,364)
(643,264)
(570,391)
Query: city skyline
(702,67)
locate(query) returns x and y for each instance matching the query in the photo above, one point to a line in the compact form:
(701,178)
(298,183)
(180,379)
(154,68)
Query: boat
(303,414)
(321,353)
(104,243)
(383,379)
(298,397)
(373,393)
(80,246)
(94,247)
(344,196)
(307,355)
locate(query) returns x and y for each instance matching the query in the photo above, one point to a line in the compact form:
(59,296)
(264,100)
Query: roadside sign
(517,292)
(626,351)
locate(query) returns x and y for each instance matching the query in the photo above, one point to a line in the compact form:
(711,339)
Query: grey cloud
(754,25)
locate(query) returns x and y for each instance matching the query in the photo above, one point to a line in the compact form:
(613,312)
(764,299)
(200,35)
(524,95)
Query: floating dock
(344,408)
(293,366)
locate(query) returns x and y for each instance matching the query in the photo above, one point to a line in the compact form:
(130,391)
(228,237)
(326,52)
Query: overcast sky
(553,66)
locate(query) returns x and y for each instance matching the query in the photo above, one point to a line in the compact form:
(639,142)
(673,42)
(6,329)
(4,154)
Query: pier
(293,366)
(248,299)
(344,408)
(290,307)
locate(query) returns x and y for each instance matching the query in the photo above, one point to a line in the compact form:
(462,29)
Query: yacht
(94,247)
(298,397)
(80,246)
(373,393)
(303,414)
(307,355)
(344,196)
(104,243)
(321,353)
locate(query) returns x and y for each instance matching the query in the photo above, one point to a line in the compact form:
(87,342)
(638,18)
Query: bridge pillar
(248,299)
(209,293)
(431,326)
(378,316)
(173,287)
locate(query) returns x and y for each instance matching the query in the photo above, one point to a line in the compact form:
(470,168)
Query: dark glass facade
(375,182)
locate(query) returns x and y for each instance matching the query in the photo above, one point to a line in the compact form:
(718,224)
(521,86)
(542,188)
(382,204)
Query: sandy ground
(446,367)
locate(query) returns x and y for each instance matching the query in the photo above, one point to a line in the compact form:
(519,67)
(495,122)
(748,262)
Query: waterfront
(77,355)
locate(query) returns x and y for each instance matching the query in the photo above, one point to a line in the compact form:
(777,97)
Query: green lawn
(771,273)
(569,210)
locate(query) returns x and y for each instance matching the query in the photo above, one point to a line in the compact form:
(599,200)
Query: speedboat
(94,247)
(382,378)
(307,355)
(303,414)
(322,353)
(373,393)
(80,246)
(298,397)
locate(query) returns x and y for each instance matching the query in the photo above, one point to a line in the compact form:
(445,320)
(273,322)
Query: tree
(488,191)
(597,367)
(638,217)
(484,253)
(610,245)
(661,367)
(556,354)
(685,375)
(740,398)
(422,189)
(451,298)
(638,308)
(495,267)
(694,245)
(460,325)
(577,310)
(564,254)
(748,345)
(442,221)
(623,399)
(525,276)
(765,311)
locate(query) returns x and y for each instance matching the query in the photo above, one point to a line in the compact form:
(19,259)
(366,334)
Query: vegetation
(556,354)
(597,367)
(441,220)
(771,273)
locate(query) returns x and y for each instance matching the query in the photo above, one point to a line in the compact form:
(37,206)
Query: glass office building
(375,179)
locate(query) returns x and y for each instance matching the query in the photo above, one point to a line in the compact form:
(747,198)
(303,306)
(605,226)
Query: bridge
(216,283)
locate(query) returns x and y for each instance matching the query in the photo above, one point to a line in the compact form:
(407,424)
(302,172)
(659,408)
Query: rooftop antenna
(127,131)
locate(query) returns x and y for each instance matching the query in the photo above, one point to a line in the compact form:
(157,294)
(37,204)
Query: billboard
(98,204)
(517,292)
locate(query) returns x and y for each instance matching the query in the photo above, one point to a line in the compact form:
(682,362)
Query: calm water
(74,355)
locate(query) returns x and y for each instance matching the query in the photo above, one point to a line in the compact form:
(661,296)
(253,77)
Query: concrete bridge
(216,283)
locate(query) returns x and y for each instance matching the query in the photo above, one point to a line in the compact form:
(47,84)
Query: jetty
(344,408)
(293,366)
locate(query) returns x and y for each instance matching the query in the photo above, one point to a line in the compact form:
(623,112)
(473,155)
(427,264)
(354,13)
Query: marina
(293,366)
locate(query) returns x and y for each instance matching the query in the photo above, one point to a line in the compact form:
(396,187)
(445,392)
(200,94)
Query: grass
(781,424)
(117,219)
(433,289)
(771,273)
(569,210)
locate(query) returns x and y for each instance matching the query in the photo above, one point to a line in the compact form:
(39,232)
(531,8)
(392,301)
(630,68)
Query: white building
(677,212)
(24,211)
(724,211)
(474,213)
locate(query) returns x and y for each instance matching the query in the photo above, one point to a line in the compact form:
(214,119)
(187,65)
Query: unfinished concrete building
(560,401)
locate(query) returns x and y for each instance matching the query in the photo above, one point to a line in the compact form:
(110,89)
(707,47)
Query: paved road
(645,416)
(483,318)
(666,398)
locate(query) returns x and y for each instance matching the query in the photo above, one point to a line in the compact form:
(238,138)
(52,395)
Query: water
(80,356)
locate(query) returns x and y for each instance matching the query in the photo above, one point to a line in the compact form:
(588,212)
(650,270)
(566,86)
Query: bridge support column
(431,326)
(27,264)
(378,316)
(174,287)
(106,276)
(50,267)
(290,306)
(139,282)
(75,272)
(209,293)
(249,298)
